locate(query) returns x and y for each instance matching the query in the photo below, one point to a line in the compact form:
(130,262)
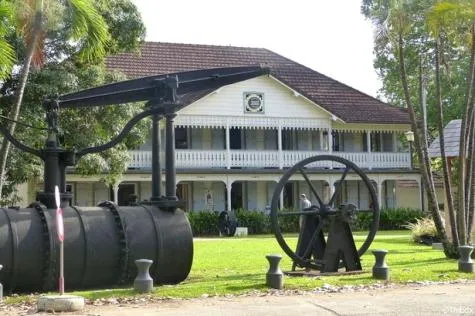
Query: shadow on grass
(243,288)
(106,293)
(361,278)
(415,263)
(447,271)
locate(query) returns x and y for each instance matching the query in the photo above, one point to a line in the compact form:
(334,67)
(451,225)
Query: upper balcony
(279,147)
(190,159)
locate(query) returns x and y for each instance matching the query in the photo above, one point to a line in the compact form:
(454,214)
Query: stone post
(143,283)
(274,277)
(380,268)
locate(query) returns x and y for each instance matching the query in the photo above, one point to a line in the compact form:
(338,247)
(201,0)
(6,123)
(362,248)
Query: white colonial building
(233,144)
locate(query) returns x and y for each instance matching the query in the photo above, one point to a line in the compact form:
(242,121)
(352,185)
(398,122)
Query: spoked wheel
(312,248)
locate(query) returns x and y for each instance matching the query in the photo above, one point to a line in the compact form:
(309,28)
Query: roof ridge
(203,45)
(330,78)
(344,101)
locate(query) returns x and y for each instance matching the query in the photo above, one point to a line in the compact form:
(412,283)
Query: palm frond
(89,28)
(7,53)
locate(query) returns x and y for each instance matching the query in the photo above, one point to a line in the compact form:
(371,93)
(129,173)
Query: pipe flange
(49,258)
(121,232)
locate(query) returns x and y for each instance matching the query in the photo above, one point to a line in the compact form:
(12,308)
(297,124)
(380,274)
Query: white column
(331,190)
(279,145)
(421,194)
(115,189)
(379,184)
(368,148)
(228,146)
(322,146)
(229,185)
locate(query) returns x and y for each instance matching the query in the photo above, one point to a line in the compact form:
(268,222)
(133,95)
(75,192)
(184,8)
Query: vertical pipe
(156,168)
(170,171)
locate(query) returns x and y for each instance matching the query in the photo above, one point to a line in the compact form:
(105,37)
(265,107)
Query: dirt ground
(414,299)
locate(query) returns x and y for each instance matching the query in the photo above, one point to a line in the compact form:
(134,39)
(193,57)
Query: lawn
(237,265)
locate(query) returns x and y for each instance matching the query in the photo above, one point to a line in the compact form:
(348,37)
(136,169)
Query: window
(181,138)
(288,140)
(375,142)
(336,141)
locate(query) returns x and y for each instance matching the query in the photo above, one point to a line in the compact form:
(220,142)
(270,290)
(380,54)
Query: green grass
(236,265)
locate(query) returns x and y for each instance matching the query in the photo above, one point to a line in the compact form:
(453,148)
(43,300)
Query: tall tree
(65,71)
(429,28)
(87,28)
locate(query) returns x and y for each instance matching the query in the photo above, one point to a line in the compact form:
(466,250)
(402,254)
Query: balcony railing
(188,158)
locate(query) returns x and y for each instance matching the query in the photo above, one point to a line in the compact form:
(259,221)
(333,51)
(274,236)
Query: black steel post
(170,171)
(156,168)
(52,172)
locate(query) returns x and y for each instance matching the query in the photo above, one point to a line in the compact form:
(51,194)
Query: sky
(329,36)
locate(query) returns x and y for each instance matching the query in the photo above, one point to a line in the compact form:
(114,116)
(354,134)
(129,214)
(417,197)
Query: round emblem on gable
(254,102)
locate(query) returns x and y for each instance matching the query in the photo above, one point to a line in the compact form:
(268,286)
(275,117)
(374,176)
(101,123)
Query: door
(182,192)
(236,196)
(235,138)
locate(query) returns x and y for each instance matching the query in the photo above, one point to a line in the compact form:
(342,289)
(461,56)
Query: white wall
(84,194)
(199,190)
(279,101)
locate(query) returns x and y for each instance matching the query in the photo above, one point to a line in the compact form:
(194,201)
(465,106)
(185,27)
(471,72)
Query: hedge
(206,223)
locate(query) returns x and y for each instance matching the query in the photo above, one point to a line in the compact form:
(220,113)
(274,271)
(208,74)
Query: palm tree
(443,21)
(7,55)
(445,17)
(393,22)
(34,17)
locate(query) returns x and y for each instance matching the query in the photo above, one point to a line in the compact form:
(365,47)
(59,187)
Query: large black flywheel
(325,240)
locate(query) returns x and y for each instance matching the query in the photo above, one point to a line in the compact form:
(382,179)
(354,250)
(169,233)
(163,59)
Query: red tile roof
(347,103)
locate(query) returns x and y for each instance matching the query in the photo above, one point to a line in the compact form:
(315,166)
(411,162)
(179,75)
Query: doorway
(235,138)
(236,196)
(126,191)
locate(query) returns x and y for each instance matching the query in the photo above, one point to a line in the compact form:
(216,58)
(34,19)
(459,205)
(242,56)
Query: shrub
(204,223)
(257,222)
(207,223)
(423,231)
(390,219)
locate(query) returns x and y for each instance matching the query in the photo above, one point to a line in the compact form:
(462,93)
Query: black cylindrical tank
(100,246)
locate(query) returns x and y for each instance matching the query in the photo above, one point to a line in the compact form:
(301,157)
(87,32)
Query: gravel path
(418,298)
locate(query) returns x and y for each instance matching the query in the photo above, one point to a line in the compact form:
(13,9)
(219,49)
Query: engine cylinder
(101,245)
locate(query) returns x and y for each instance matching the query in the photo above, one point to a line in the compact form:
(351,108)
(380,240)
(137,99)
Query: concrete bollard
(380,268)
(143,283)
(274,276)
(465,262)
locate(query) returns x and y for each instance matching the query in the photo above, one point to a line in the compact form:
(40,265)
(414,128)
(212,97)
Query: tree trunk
(440,126)
(469,118)
(471,189)
(421,151)
(15,111)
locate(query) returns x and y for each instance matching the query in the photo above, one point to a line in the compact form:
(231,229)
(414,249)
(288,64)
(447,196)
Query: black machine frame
(313,250)
(103,242)
(163,94)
